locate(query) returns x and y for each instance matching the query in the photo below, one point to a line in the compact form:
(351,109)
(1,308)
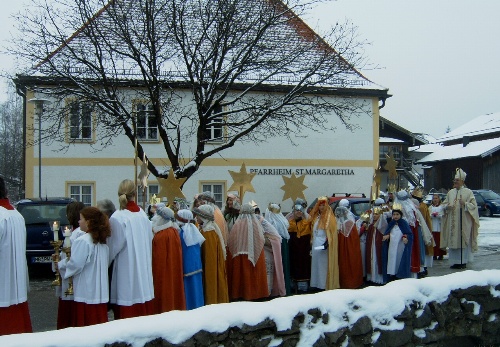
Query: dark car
(39,216)
(359,202)
(488,202)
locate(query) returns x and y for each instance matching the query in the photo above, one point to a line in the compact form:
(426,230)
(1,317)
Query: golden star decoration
(391,166)
(294,187)
(170,187)
(242,181)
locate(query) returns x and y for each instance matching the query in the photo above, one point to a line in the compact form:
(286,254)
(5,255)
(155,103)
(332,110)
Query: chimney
(465,141)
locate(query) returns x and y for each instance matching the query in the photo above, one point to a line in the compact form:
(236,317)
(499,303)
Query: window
(147,128)
(80,120)
(217,189)
(82,192)
(385,149)
(150,190)
(213,131)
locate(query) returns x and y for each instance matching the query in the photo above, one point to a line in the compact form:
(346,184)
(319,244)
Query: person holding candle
(65,305)
(14,310)
(88,265)
(130,247)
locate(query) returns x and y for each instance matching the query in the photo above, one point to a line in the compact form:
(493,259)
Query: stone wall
(468,317)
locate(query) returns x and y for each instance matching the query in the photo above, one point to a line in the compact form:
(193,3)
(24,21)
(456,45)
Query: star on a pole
(170,187)
(242,181)
(294,187)
(391,166)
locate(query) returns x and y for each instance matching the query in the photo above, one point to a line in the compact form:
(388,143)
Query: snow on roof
(389,140)
(489,123)
(473,149)
(172,69)
(429,148)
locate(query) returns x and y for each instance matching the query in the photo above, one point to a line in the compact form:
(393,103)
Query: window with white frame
(147,193)
(82,192)
(147,127)
(80,120)
(214,130)
(217,189)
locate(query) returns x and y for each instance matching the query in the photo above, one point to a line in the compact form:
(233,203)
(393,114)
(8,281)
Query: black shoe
(458,266)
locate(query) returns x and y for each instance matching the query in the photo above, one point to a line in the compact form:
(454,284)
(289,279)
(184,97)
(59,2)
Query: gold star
(391,166)
(171,187)
(294,187)
(242,181)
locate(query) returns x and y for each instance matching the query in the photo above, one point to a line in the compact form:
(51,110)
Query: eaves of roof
(417,137)
(28,80)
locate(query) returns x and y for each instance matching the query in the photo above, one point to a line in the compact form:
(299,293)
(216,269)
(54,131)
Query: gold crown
(397,206)
(274,209)
(365,216)
(417,192)
(377,210)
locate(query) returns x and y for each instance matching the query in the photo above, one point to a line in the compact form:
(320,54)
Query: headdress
(163,219)
(247,235)
(407,207)
(165,212)
(322,200)
(206,196)
(298,207)
(205,212)
(274,208)
(379,202)
(460,174)
(417,192)
(280,223)
(345,220)
(344,203)
(191,234)
(397,207)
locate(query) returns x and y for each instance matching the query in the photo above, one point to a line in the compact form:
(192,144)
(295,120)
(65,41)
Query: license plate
(38,260)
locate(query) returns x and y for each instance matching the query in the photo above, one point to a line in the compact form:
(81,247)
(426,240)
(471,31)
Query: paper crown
(365,216)
(417,192)
(397,206)
(274,208)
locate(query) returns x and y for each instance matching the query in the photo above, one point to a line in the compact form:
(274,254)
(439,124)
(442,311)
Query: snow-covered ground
(380,304)
(489,235)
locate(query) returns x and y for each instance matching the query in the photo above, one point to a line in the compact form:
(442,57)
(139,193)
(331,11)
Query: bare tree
(11,145)
(229,70)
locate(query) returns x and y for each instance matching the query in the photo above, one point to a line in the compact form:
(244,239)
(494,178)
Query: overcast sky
(439,59)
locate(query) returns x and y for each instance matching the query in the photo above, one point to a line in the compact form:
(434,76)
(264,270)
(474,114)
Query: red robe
(168,275)
(350,262)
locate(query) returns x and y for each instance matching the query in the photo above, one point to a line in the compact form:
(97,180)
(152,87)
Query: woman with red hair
(88,265)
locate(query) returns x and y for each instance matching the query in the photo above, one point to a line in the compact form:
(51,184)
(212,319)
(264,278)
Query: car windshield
(43,214)
(490,195)
(360,207)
